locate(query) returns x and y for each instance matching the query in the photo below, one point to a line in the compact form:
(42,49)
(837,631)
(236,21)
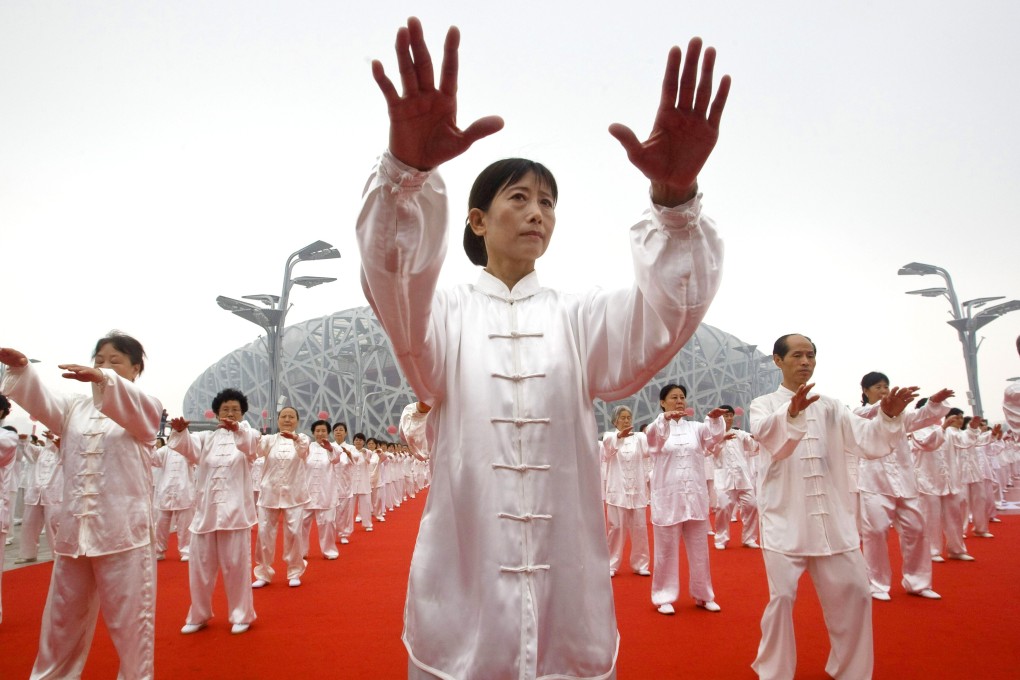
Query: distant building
(343,365)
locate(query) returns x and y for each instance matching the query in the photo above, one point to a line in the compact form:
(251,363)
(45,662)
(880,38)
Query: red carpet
(345,620)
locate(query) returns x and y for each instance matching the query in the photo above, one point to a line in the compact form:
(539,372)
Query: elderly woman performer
(283,495)
(627,464)
(680,498)
(509,578)
(224,510)
(103,552)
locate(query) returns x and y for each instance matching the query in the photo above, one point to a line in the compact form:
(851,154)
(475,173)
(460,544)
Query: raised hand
(716,413)
(179,424)
(897,400)
(801,400)
(674,415)
(686,127)
(625,432)
(942,395)
(12,357)
(423,122)
(81,373)
(288,435)
(228,424)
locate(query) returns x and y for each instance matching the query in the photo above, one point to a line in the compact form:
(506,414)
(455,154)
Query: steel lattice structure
(343,365)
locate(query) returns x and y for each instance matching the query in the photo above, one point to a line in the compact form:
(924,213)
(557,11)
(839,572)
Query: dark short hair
(727,407)
(782,346)
(487,185)
(230,394)
(954,412)
(340,424)
(921,402)
(320,422)
(359,435)
(666,389)
(126,345)
(870,380)
(5,406)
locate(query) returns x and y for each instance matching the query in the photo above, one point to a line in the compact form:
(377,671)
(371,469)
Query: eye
(547,202)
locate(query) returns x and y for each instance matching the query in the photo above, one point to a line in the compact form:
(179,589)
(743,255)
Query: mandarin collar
(525,288)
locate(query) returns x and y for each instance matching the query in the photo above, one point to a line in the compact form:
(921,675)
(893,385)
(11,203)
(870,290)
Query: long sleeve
(25,386)
(1011,405)
(129,407)
(775,430)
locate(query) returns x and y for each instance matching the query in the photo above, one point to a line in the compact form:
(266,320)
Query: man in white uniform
(734,485)
(807,521)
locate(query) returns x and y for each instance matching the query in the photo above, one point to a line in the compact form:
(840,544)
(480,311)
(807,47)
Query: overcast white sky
(154,155)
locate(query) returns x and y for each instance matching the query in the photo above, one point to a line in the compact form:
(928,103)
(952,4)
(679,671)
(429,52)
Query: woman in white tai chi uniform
(509,577)
(627,464)
(283,494)
(104,557)
(224,511)
(680,498)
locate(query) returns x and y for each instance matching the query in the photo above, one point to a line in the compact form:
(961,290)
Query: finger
(451,63)
(689,77)
(483,127)
(715,113)
(389,92)
(627,139)
(704,95)
(420,52)
(667,98)
(408,76)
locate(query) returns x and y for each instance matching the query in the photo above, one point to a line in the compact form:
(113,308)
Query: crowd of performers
(109,491)
(511,575)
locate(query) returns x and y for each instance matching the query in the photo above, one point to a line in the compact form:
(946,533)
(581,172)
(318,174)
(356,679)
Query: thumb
(626,137)
(483,127)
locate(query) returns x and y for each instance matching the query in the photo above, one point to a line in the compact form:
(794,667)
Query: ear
(476,219)
(777,360)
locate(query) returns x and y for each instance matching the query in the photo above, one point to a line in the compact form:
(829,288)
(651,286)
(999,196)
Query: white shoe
(184,558)
(666,609)
(938,558)
(882,597)
(358,518)
(711,533)
(642,572)
(259,583)
(963,557)
(190,628)
(331,556)
(344,541)
(160,557)
(368,528)
(720,546)
(984,534)
(752,544)
(709,606)
(994,519)
(612,573)
(239,628)
(294,582)
(928,593)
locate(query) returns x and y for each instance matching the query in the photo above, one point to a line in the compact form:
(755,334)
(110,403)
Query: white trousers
(163,524)
(3,549)
(228,551)
(748,504)
(378,502)
(123,587)
(954,514)
(33,520)
(666,574)
(269,519)
(624,522)
(842,585)
(325,524)
(345,517)
(977,495)
(364,506)
(879,513)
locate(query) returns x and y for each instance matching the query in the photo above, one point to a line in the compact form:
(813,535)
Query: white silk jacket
(106,443)
(678,449)
(894,475)
(803,494)
(627,468)
(509,575)
(284,481)
(223,498)
(176,487)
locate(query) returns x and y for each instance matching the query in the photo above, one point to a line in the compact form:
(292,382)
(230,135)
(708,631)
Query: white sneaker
(331,556)
(368,528)
(720,546)
(752,544)
(938,558)
(928,593)
(642,572)
(984,534)
(190,628)
(239,628)
(963,557)
(184,558)
(666,609)
(344,541)
(612,573)
(883,597)
(294,582)
(259,583)
(710,606)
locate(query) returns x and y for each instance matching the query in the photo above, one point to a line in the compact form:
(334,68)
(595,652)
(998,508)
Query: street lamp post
(272,318)
(965,320)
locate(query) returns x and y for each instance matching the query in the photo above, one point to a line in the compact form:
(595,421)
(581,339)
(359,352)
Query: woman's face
(109,357)
(230,410)
(877,391)
(674,401)
(519,223)
(321,432)
(624,420)
(287,421)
